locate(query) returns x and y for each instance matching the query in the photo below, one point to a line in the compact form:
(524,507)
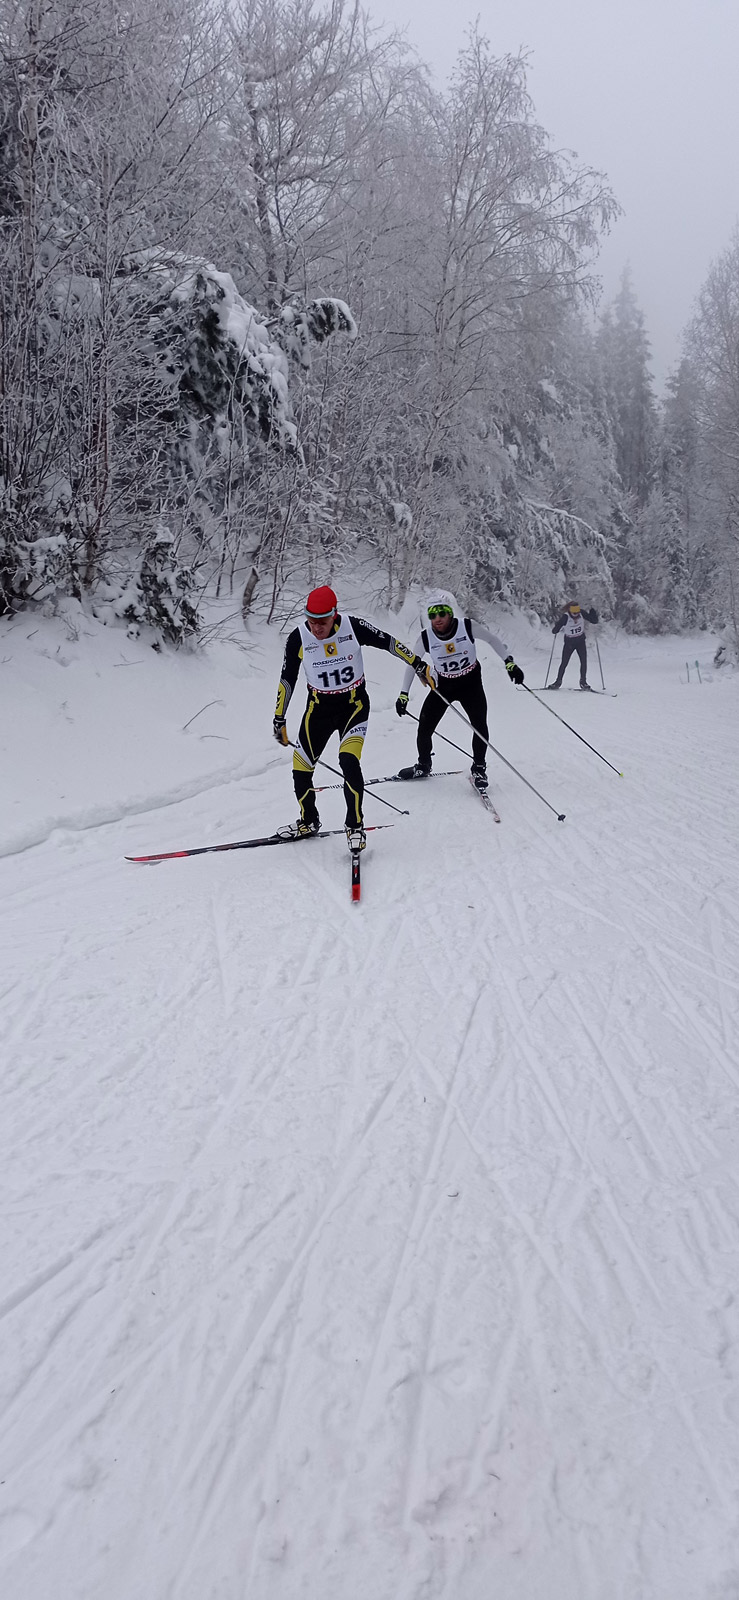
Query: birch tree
(505,231)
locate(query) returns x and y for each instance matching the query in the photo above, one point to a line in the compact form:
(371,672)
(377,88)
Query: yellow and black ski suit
(345,713)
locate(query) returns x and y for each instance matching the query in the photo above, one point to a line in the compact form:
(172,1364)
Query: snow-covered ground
(376,1253)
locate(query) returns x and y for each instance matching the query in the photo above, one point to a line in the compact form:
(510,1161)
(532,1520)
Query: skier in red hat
(329,644)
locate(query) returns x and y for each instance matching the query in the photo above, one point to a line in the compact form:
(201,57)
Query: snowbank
(94,726)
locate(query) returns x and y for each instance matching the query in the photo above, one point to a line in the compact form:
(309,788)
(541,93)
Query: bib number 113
(338,676)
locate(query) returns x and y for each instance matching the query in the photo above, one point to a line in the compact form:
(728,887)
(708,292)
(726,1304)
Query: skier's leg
(351,744)
(470,693)
(568,648)
(314,732)
(582,650)
(432,711)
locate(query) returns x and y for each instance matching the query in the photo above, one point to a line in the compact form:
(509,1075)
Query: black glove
(279,730)
(591,616)
(513,671)
(401,704)
(555,629)
(424,673)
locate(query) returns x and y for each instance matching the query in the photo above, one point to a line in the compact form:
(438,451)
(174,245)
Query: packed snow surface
(386,1252)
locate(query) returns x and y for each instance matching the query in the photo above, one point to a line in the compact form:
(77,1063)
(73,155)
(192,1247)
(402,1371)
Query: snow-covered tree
(136,379)
(311,89)
(192,202)
(625,352)
(713,347)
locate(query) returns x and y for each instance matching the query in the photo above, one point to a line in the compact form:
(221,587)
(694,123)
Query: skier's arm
(289,675)
(477,631)
(366,633)
(408,674)
(514,672)
(591,615)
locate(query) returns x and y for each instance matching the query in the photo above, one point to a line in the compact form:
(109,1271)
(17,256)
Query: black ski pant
(570,646)
(345,714)
(468,691)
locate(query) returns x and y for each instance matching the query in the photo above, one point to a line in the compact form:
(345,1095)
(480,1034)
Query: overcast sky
(645,90)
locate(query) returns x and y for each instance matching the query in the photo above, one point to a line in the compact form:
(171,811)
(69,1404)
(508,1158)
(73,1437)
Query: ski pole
(338,774)
(600,664)
(549,668)
(572,730)
(698,670)
(558,814)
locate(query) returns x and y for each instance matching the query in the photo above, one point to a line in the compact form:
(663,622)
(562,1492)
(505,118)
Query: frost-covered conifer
(625,353)
(160,594)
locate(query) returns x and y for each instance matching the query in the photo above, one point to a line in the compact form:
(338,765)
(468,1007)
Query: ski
(393,777)
(357,876)
(609,695)
(483,795)
(356,840)
(286,836)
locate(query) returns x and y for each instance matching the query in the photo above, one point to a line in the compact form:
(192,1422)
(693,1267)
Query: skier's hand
(401,704)
(424,672)
(591,616)
(279,729)
(513,671)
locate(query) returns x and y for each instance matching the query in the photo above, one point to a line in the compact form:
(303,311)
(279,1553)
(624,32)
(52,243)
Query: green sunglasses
(440,611)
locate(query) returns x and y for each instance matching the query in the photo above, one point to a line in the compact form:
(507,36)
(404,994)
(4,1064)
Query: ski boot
(479,777)
(584,687)
(356,837)
(419,770)
(305,829)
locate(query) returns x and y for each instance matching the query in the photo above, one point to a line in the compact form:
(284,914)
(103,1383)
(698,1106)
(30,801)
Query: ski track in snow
(387,1251)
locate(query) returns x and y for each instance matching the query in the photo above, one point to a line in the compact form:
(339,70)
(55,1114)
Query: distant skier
(450,641)
(573,621)
(330,648)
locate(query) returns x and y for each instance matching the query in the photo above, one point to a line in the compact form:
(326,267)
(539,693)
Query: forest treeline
(273,303)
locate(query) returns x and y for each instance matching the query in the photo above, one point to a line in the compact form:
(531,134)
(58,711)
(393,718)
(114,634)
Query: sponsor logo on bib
(330,647)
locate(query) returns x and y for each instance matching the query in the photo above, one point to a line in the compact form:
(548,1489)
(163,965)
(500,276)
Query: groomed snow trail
(387,1252)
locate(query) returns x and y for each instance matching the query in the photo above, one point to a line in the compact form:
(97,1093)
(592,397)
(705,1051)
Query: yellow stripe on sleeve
(404,652)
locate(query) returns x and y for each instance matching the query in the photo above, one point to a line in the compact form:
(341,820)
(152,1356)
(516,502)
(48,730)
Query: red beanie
(321,603)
